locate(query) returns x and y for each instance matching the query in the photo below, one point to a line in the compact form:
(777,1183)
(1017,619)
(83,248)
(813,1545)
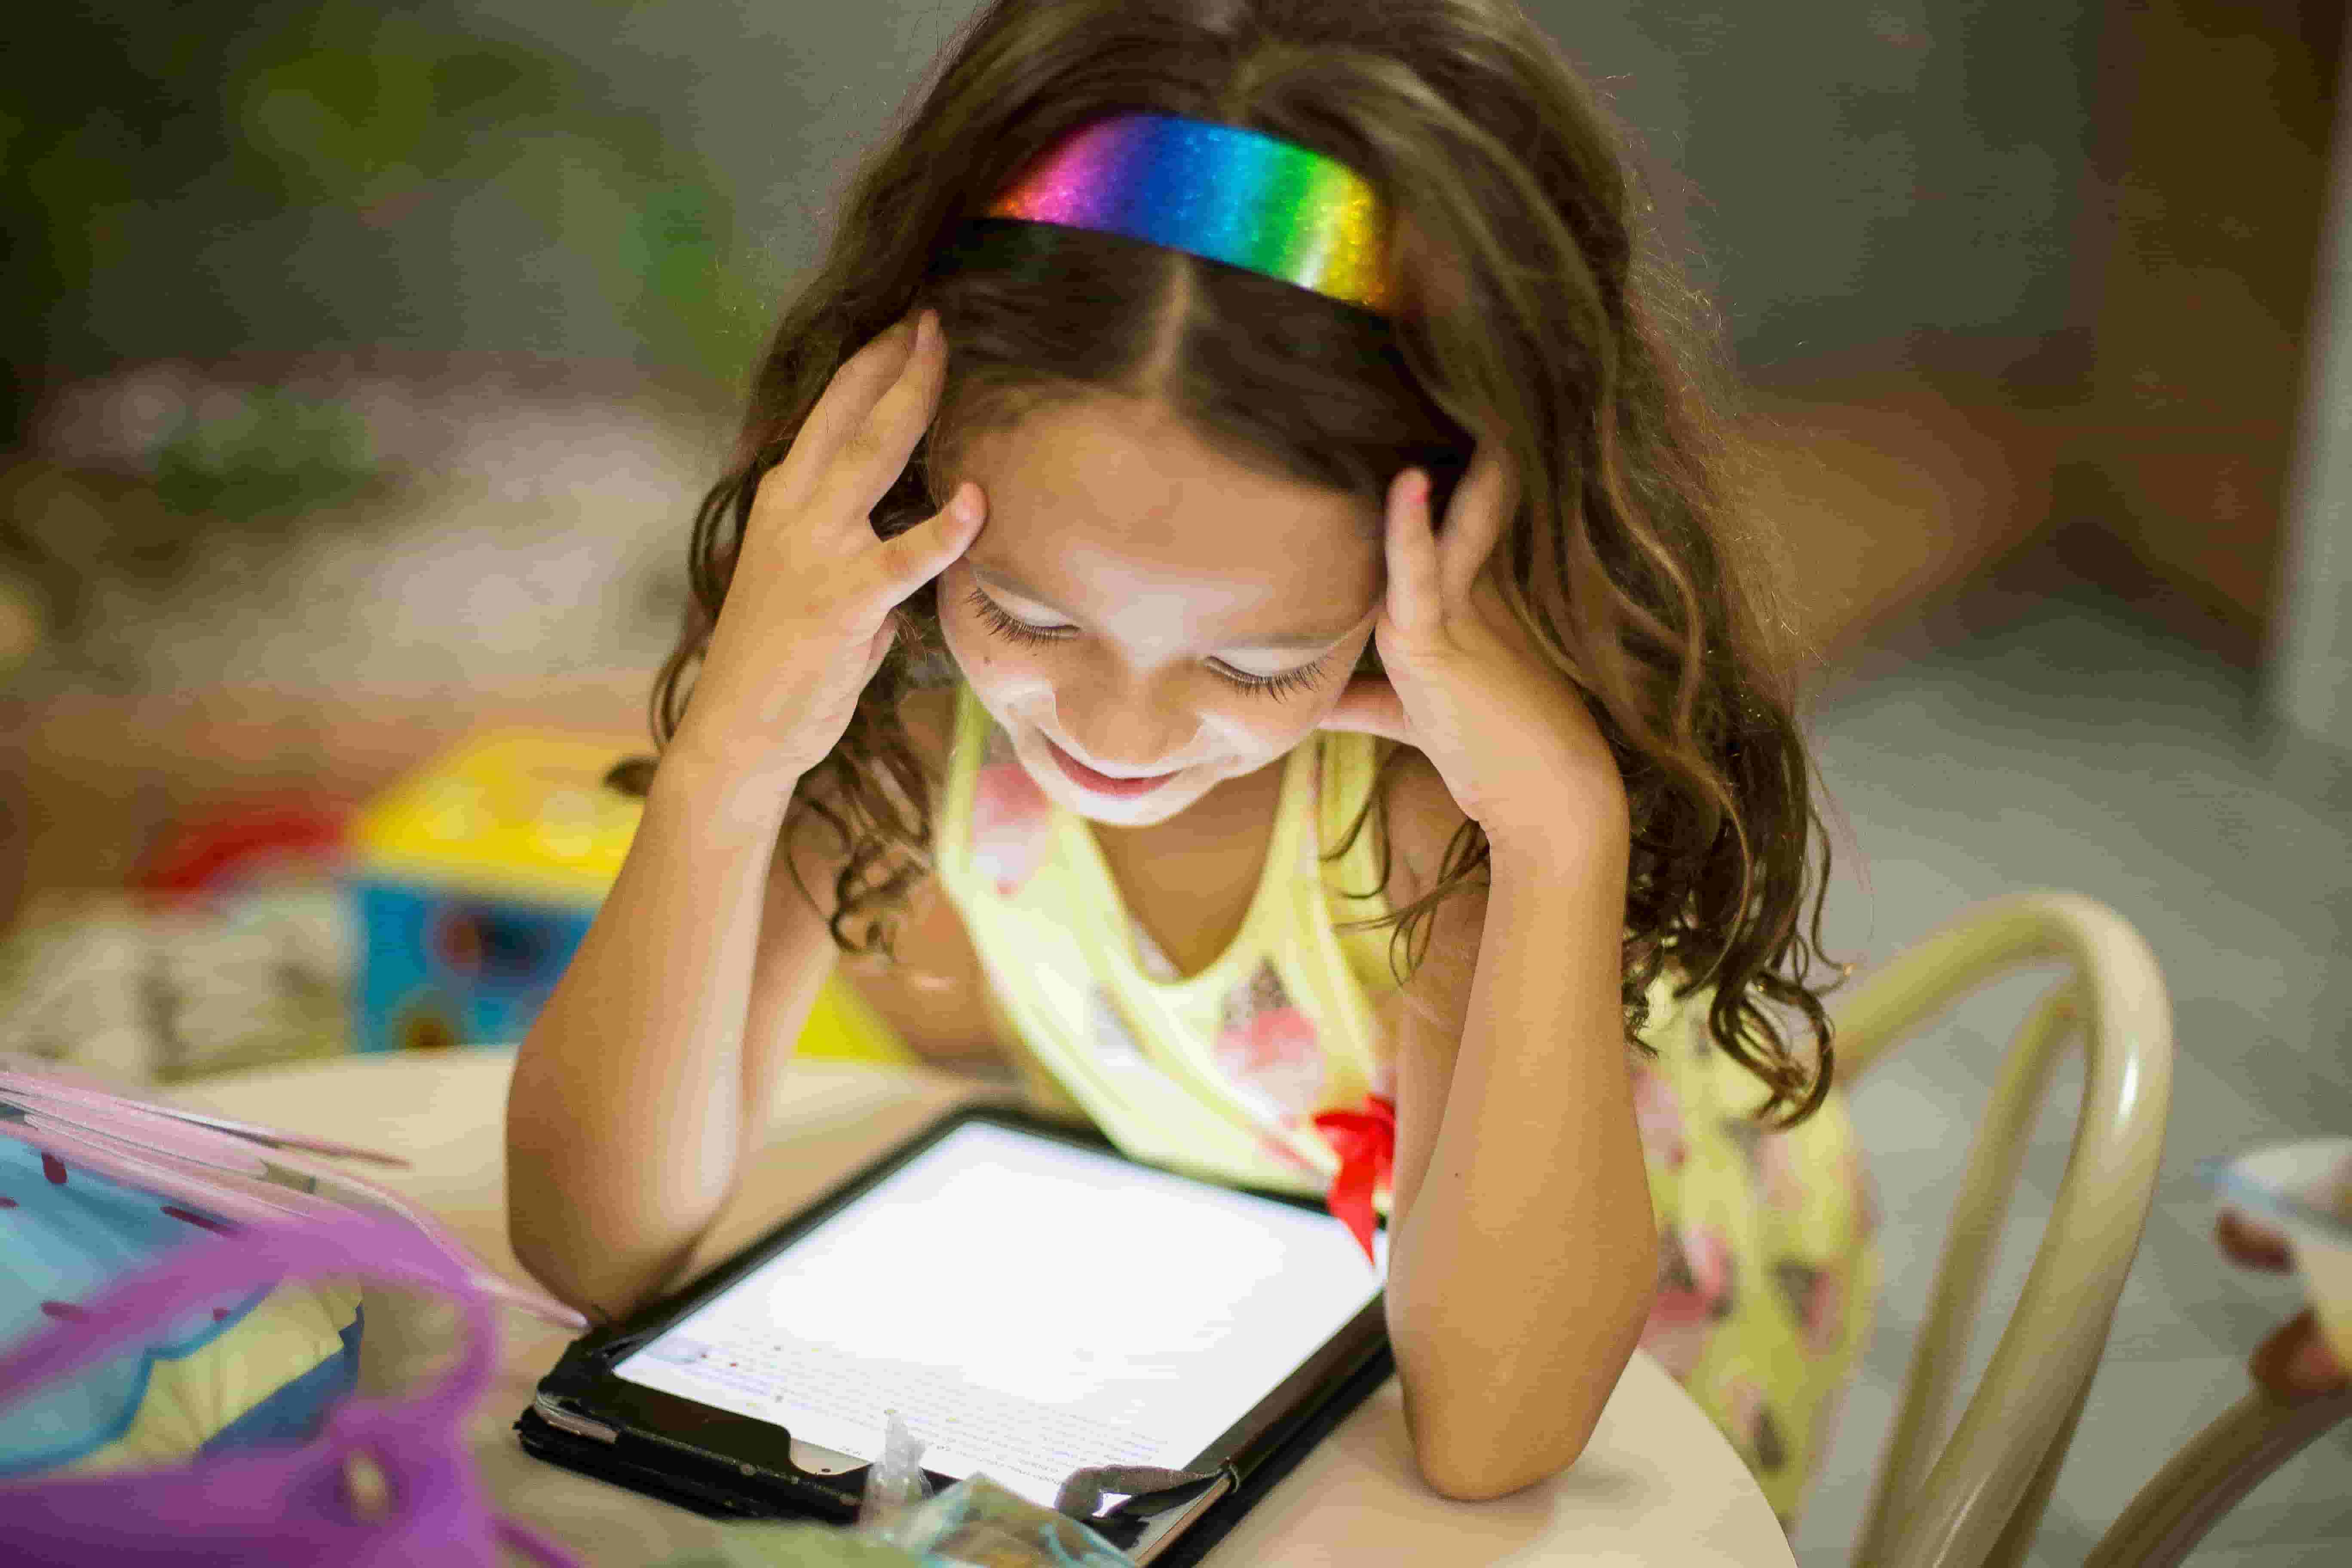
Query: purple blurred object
(286,1507)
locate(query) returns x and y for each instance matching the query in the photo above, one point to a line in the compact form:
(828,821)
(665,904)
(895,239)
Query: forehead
(1104,499)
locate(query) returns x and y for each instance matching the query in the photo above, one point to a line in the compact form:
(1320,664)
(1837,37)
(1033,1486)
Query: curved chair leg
(1990,1477)
(2017,1540)
(2204,1480)
(1938,1354)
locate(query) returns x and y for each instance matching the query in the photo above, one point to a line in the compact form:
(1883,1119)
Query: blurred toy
(475,878)
(230,948)
(252,956)
(262,844)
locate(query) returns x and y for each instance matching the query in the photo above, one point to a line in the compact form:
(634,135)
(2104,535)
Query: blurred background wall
(367,361)
(466,173)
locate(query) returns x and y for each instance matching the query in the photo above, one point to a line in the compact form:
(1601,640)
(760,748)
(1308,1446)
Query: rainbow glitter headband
(1222,192)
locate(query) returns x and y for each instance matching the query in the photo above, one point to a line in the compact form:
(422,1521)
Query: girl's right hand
(808,613)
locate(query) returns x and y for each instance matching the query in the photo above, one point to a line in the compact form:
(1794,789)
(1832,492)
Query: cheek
(1263,728)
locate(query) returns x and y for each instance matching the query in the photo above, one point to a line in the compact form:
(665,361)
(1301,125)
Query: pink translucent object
(211,1162)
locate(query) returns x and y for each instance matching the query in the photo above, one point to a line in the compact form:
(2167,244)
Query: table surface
(1657,1483)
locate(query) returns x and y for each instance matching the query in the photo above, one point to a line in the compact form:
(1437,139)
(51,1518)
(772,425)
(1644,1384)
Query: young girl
(1328,736)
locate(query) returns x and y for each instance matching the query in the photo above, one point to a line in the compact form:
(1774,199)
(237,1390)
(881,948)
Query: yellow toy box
(474,879)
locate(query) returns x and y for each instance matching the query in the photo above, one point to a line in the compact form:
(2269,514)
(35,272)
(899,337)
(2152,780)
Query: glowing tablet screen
(1029,1307)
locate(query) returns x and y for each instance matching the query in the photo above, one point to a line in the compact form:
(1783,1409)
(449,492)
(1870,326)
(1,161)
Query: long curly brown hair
(1536,309)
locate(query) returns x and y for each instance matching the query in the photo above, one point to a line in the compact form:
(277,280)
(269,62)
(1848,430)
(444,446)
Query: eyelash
(1274,686)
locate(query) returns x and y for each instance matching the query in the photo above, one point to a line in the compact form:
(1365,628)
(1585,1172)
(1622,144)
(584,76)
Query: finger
(2315,1364)
(1369,705)
(907,560)
(1474,525)
(841,410)
(2295,1363)
(875,454)
(2254,1245)
(1412,603)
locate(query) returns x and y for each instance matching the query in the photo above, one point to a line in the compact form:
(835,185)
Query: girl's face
(1138,606)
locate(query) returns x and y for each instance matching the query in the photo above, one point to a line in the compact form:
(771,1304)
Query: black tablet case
(592,1457)
(757,1495)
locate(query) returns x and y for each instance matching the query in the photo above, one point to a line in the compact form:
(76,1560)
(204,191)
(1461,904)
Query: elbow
(602,1305)
(1463,1475)
(1464,1453)
(533,1250)
(548,1250)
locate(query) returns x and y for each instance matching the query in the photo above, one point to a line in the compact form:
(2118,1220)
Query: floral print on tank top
(1767,1267)
(1115,1043)
(1267,1047)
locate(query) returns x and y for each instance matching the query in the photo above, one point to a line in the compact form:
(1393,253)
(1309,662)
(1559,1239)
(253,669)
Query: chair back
(1976,1500)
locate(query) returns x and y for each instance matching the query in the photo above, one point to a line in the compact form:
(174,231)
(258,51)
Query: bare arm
(1524,1247)
(632,1094)
(634,1090)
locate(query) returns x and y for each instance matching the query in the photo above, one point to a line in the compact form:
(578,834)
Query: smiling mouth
(1100,782)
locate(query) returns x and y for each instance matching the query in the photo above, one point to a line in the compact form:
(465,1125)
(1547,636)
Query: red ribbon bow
(1365,1141)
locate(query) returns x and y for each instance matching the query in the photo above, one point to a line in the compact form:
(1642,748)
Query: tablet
(1030,1301)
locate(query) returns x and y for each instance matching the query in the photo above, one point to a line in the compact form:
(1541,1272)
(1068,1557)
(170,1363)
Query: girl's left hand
(1465,684)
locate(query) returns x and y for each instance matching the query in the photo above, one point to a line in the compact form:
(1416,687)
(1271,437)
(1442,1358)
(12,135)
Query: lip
(1103,784)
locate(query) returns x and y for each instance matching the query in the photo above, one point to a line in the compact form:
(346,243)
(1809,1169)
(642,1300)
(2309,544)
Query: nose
(1123,728)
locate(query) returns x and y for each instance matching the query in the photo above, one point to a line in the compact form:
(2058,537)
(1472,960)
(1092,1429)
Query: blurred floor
(2038,730)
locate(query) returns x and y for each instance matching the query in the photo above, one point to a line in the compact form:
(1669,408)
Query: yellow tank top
(1769,1267)
(1219,1073)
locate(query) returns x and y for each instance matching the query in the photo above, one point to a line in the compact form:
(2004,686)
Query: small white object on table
(1658,1483)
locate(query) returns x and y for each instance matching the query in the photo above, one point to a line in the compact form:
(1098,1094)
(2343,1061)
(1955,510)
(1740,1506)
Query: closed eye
(1005,625)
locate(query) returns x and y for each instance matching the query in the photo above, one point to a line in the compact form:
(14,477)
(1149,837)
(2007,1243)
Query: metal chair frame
(2205,1479)
(1980,1502)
